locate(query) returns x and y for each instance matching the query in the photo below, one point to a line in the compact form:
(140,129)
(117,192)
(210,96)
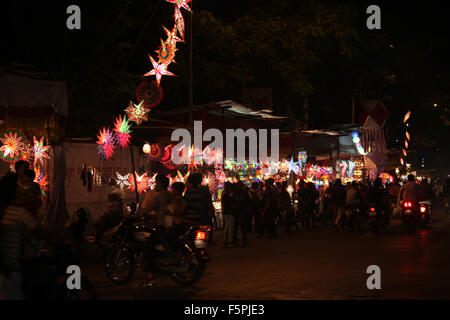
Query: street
(310,264)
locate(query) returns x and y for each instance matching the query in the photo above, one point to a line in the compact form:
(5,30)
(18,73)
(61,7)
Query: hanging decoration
(12,145)
(181,4)
(293,166)
(122,130)
(179,21)
(150,93)
(357,142)
(41,179)
(106,142)
(158,71)
(302,157)
(123,181)
(152,182)
(142,182)
(172,37)
(156,152)
(40,150)
(137,113)
(166,52)
(27,152)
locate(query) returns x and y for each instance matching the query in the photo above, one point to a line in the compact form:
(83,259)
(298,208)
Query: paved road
(319,264)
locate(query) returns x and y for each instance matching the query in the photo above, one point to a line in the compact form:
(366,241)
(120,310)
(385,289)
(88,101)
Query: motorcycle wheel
(87,291)
(196,267)
(119,265)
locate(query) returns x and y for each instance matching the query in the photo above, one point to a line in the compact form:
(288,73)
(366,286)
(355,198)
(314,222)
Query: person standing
(338,196)
(269,210)
(240,202)
(227,213)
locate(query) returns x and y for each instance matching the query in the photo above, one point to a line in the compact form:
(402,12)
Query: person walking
(338,196)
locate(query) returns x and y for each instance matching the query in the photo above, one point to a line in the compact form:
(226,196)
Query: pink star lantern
(158,71)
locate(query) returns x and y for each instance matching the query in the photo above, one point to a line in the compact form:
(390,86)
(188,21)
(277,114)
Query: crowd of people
(264,208)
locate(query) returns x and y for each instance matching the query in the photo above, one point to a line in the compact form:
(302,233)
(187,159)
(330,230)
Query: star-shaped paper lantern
(12,145)
(40,150)
(142,182)
(106,141)
(181,4)
(293,166)
(122,130)
(172,37)
(123,181)
(166,53)
(152,181)
(179,21)
(159,70)
(41,179)
(27,152)
(137,113)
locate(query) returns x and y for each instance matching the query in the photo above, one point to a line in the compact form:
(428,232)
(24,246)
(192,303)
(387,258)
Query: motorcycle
(353,218)
(425,213)
(377,219)
(410,216)
(136,244)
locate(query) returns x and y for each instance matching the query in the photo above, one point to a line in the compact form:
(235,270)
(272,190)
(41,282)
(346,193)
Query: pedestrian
(269,210)
(285,206)
(338,196)
(227,213)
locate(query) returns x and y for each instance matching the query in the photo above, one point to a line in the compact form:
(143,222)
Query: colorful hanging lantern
(27,152)
(106,140)
(302,156)
(181,4)
(167,153)
(137,113)
(357,142)
(142,183)
(156,152)
(150,93)
(293,167)
(172,37)
(122,130)
(41,179)
(12,145)
(179,21)
(40,150)
(166,53)
(159,70)
(123,181)
(146,148)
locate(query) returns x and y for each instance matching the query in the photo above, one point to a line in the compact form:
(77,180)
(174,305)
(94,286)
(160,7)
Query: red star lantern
(137,113)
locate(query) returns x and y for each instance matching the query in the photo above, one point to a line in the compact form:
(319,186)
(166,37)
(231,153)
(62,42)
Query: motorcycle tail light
(372,209)
(407,205)
(200,235)
(423,209)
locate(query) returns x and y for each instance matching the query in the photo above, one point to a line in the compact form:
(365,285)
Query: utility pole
(190,94)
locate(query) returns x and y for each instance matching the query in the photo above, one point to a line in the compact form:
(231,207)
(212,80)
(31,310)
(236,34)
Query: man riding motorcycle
(409,192)
(378,197)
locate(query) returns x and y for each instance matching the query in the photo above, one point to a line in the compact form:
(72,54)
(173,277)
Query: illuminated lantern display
(152,182)
(41,180)
(181,4)
(123,181)
(142,182)
(167,153)
(213,183)
(293,167)
(122,130)
(158,71)
(150,93)
(357,142)
(146,148)
(106,141)
(302,157)
(179,21)
(40,150)
(166,53)
(27,152)
(172,37)
(137,113)
(156,152)
(12,145)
